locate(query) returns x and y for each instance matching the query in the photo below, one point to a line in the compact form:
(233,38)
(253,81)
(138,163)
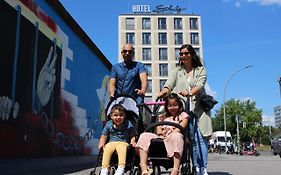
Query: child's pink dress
(173,141)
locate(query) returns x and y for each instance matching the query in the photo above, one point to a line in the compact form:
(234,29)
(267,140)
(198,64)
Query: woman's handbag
(208,102)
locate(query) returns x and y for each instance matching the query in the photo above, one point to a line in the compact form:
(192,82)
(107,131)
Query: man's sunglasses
(129,51)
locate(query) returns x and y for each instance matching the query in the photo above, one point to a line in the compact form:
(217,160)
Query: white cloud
(267,2)
(261,2)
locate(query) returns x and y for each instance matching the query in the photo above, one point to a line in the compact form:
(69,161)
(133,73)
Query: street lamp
(224,116)
(279,82)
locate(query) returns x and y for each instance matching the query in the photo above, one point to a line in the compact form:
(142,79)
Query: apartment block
(157,38)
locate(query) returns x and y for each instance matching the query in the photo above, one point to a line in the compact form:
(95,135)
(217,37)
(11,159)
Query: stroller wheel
(96,171)
(111,171)
(156,170)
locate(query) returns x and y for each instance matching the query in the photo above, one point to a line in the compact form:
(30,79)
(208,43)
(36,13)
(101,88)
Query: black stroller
(133,115)
(157,156)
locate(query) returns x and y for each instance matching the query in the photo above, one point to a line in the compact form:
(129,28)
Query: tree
(248,115)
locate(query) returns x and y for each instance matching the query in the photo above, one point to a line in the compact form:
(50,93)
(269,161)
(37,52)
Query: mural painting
(38,116)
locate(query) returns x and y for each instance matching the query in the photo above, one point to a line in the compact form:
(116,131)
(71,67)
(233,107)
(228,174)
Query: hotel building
(157,37)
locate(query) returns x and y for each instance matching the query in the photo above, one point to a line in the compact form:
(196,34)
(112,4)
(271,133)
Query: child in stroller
(172,136)
(129,106)
(119,133)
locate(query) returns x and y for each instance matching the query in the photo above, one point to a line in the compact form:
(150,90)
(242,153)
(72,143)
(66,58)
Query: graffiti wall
(52,96)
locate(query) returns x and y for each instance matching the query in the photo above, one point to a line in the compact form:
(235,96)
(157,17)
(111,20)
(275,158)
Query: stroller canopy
(128,102)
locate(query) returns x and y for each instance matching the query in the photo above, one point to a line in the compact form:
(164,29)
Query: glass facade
(149,86)
(162,23)
(130,38)
(178,38)
(194,38)
(130,23)
(177,23)
(177,51)
(163,54)
(146,23)
(163,69)
(146,54)
(146,38)
(162,38)
(193,23)
(162,83)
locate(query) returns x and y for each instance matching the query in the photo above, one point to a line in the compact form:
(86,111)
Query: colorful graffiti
(39,116)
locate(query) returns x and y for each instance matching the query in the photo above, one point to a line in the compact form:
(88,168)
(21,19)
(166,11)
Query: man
(128,77)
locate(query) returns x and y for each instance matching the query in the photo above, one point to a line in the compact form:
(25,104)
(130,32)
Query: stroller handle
(155,103)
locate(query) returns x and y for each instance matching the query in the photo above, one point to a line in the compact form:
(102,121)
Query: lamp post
(225,87)
(238,133)
(279,82)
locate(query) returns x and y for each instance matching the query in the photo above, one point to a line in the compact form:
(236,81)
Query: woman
(188,79)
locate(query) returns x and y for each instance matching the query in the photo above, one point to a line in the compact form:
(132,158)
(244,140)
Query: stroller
(157,156)
(133,115)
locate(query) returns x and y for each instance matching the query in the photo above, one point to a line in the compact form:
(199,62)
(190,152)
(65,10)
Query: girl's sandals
(146,172)
(174,171)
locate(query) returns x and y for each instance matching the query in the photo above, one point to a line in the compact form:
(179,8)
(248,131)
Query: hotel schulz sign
(159,9)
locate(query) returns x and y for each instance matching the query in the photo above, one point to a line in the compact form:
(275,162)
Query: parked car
(249,148)
(276,146)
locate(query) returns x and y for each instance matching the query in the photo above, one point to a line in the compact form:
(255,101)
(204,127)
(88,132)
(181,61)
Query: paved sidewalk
(46,166)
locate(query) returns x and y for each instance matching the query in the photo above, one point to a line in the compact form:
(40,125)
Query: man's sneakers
(203,171)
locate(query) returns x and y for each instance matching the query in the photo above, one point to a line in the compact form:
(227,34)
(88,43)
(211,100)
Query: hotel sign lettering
(141,9)
(159,9)
(168,9)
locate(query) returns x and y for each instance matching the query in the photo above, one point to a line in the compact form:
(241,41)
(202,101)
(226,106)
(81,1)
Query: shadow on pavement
(219,173)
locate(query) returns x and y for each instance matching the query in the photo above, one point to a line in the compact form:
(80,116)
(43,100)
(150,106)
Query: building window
(162,83)
(130,23)
(146,38)
(162,23)
(163,54)
(193,23)
(130,38)
(177,55)
(178,38)
(178,23)
(194,38)
(148,68)
(162,38)
(146,54)
(149,86)
(163,69)
(146,23)
(197,51)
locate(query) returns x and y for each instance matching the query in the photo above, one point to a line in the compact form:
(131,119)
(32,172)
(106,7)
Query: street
(265,164)
(227,164)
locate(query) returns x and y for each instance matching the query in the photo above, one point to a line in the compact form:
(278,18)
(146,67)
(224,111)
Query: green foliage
(250,121)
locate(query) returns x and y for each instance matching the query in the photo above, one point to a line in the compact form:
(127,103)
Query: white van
(219,141)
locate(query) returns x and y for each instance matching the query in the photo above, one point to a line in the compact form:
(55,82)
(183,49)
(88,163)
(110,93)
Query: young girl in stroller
(171,135)
(119,133)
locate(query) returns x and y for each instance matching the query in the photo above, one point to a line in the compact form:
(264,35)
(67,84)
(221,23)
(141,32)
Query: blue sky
(235,34)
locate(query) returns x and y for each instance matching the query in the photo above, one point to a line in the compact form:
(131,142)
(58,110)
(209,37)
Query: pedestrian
(171,136)
(119,133)
(188,79)
(128,77)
